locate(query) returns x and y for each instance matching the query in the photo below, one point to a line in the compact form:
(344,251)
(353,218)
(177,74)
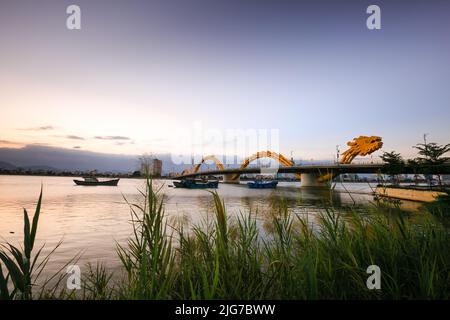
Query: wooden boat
(92,181)
(196,184)
(262,184)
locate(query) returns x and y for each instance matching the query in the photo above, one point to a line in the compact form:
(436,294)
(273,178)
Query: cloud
(10,144)
(72,137)
(112,138)
(69,136)
(77,147)
(42,128)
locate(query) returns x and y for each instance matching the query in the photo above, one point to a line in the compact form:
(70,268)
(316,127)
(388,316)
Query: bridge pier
(228,178)
(312,180)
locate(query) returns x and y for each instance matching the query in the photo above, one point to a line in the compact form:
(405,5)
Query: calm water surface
(92,220)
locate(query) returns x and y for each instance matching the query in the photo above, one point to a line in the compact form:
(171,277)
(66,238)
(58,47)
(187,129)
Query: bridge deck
(324,169)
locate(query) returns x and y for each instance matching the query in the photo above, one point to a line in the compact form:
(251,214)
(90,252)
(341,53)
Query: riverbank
(413,192)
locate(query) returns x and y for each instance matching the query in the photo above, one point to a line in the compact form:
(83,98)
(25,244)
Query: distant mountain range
(7,166)
(33,157)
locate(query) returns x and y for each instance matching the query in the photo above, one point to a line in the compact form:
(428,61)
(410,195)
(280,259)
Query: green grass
(229,258)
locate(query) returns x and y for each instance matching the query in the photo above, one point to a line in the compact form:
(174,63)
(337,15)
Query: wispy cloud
(73,137)
(69,136)
(42,128)
(76,147)
(10,144)
(112,138)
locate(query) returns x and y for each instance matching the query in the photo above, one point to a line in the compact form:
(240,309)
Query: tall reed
(149,258)
(328,259)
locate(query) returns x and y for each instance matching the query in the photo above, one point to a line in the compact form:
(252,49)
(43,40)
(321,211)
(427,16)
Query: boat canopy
(90,179)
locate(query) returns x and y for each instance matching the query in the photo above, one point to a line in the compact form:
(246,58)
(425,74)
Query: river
(92,220)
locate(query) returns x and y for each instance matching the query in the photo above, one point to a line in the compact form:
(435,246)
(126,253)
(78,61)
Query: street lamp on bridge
(337,153)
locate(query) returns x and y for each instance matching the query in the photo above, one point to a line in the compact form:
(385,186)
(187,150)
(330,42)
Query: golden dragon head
(361,146)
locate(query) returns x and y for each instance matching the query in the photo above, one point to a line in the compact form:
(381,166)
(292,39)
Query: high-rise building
(152,167)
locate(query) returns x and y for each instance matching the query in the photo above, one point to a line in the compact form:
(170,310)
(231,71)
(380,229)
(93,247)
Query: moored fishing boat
(196,184)
(93,181)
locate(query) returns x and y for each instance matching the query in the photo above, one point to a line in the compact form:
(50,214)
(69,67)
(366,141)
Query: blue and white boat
(263,184)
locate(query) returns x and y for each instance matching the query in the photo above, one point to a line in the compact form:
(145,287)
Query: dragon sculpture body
(360,146)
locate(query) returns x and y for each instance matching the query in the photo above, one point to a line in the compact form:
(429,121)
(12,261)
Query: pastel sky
(140,75)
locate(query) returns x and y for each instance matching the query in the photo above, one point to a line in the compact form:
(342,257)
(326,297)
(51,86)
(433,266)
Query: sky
(143,76)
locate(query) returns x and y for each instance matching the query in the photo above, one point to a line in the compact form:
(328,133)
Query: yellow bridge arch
(261,154)
(265,154)
(196,168)
(219,164)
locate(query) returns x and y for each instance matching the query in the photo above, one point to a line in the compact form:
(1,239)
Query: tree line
(430,154)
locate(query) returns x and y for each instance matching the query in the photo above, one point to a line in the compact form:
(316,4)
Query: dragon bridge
(360,146)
